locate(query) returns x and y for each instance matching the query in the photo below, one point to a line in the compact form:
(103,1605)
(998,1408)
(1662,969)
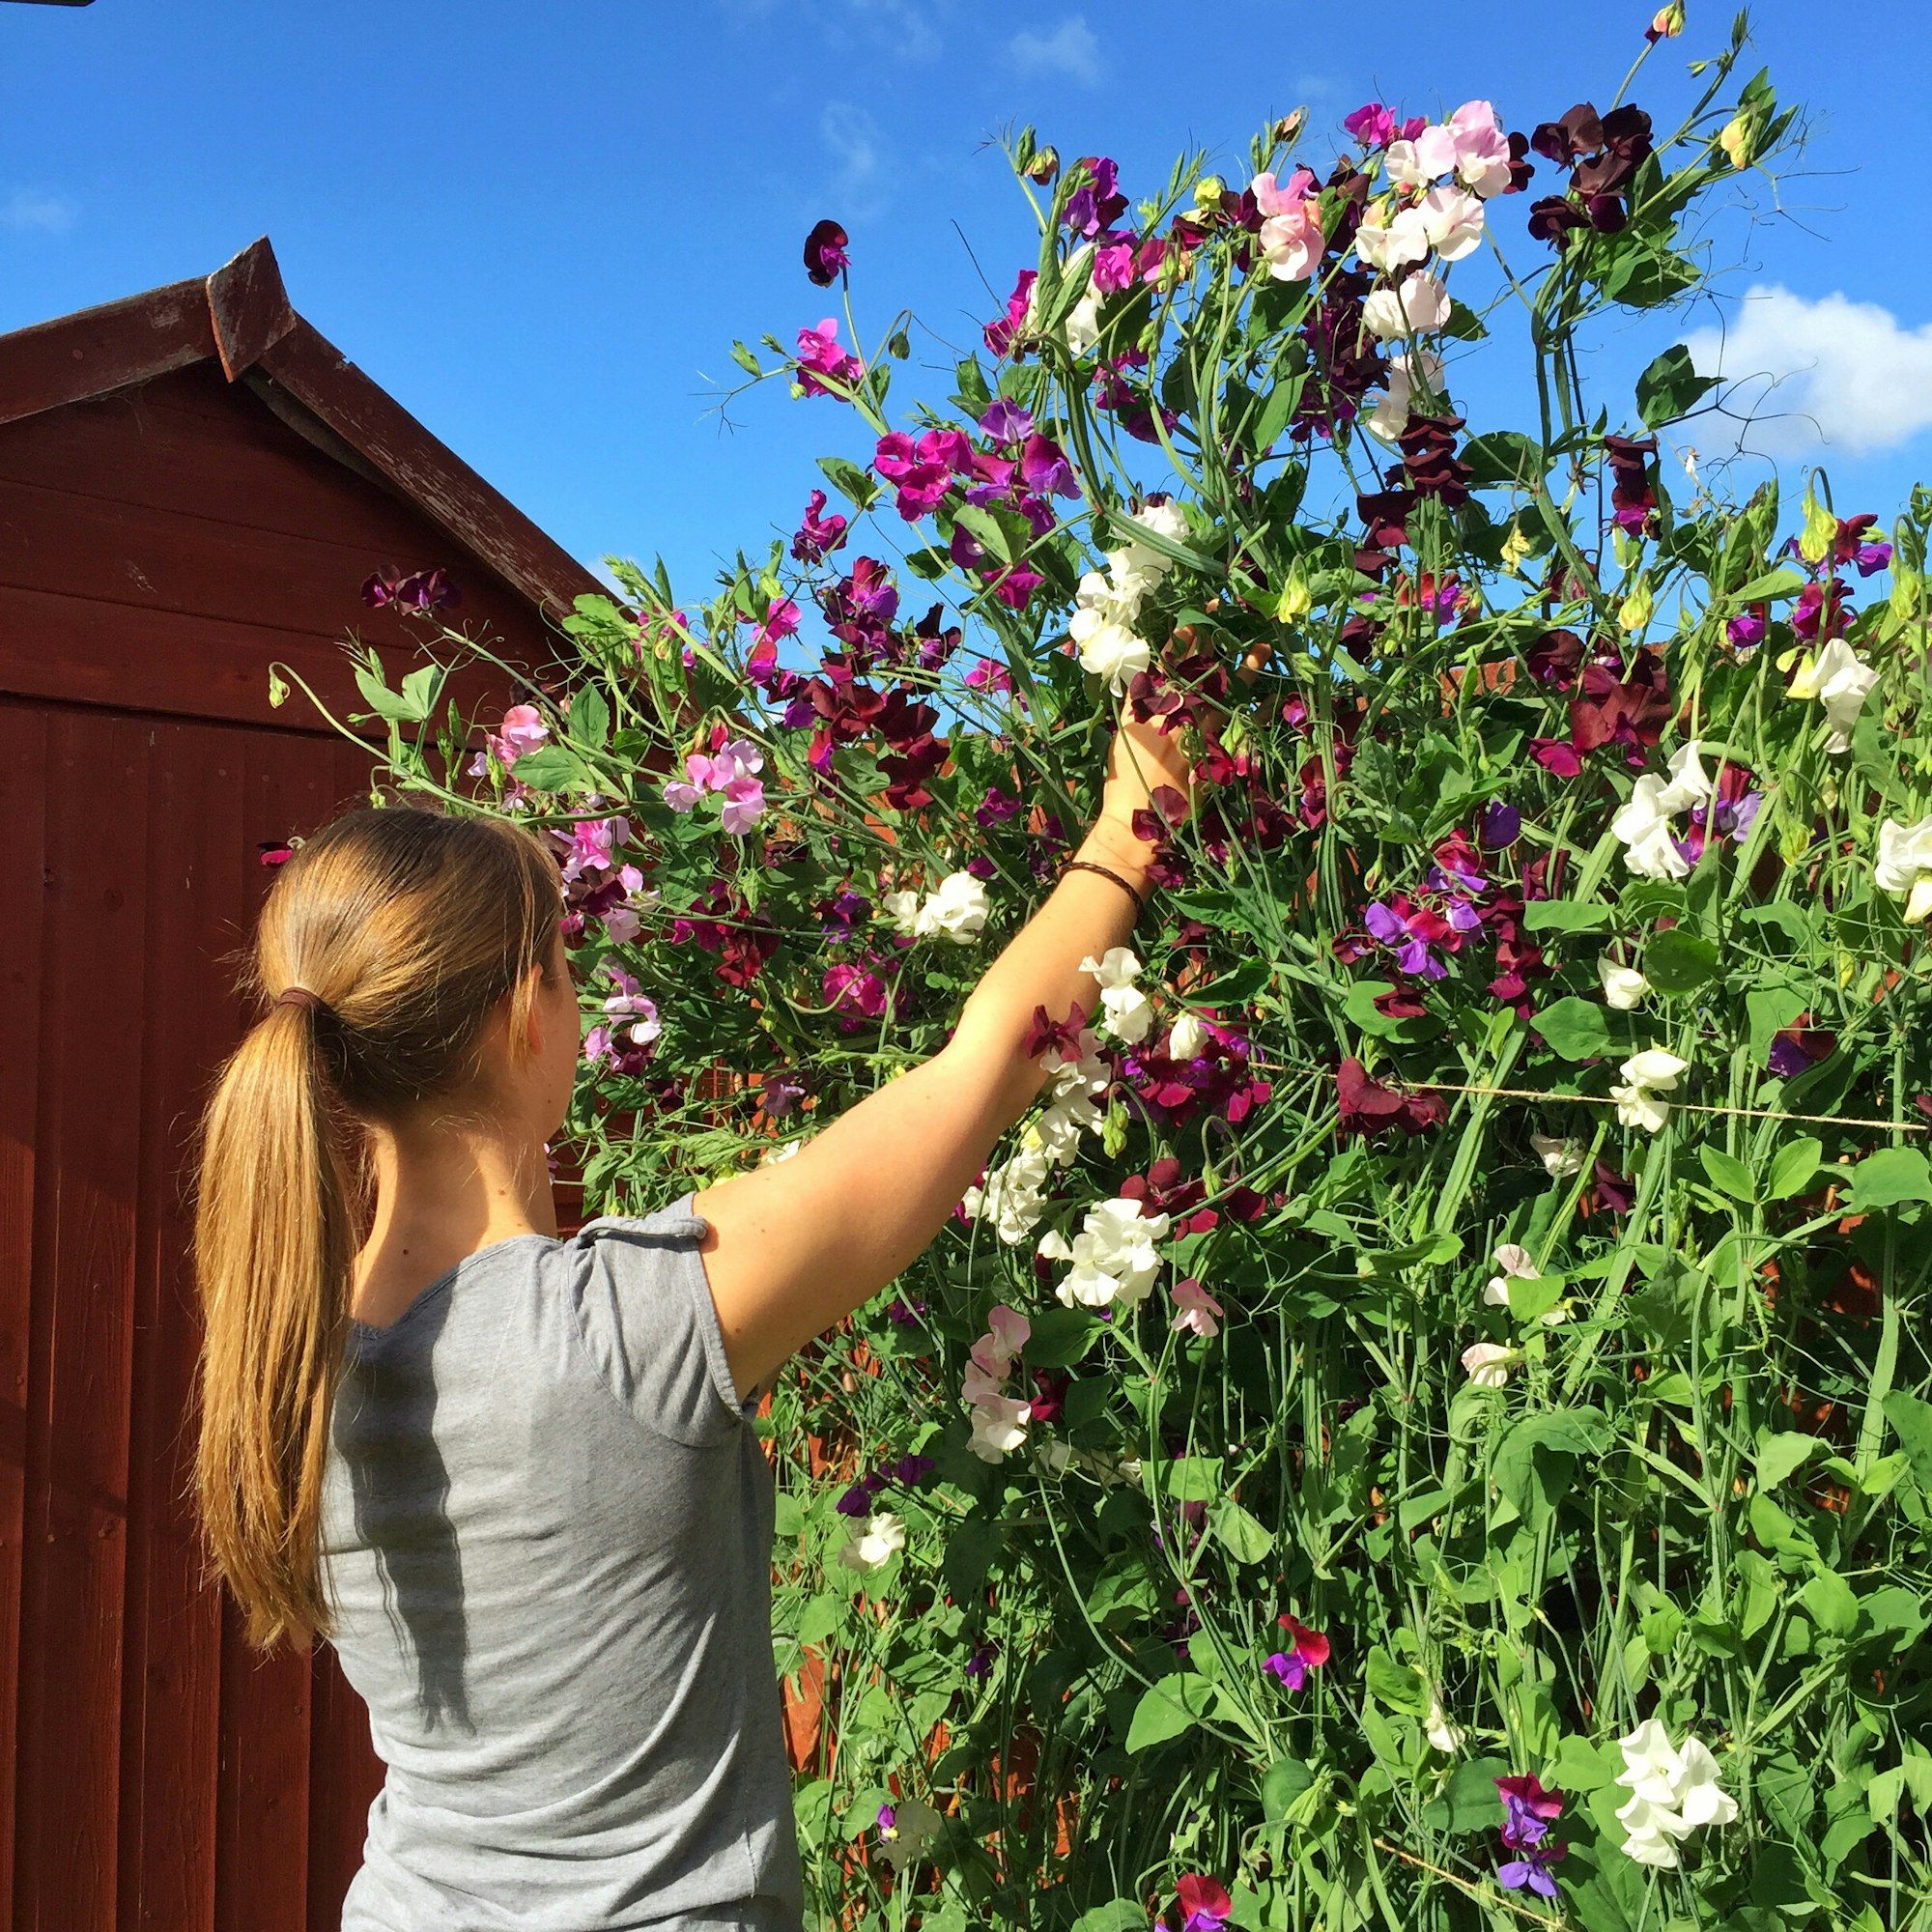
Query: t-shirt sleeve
(644,1311)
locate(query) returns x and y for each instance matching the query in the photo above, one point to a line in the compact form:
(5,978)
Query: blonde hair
(397,930)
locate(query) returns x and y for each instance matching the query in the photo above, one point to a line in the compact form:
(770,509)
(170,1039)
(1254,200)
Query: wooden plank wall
(161,1776)
(157,549)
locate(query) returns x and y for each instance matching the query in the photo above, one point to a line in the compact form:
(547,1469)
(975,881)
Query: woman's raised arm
(799,1244)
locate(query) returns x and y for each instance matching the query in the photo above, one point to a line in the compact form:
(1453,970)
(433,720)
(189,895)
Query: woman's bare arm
(799,1244)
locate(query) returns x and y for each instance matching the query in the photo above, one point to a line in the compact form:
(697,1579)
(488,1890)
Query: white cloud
(852,137)
(32,207)
(1070,52)
(1832,372)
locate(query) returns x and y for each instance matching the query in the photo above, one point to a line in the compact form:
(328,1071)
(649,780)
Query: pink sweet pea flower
(1483,160)
(1196,1312)
(744,805)
(819,355)
(592,845)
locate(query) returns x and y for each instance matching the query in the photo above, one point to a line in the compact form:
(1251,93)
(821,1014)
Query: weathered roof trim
(240,318)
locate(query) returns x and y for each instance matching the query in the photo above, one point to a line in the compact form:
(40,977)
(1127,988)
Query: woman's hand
(1142,757)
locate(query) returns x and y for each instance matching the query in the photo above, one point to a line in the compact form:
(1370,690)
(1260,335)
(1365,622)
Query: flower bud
(1666,23)
(1739,139)
(1296,600)
(1288,128)
(1209,192)
(1634,614)
(1044,166)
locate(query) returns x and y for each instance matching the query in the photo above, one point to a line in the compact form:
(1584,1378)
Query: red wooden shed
(193,483)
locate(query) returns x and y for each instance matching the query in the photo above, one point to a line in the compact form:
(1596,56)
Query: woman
(513,1478)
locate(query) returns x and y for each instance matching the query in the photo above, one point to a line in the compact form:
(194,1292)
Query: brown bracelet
(1108,872)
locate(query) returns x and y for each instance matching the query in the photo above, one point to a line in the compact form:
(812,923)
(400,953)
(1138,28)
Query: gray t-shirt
(546,1531)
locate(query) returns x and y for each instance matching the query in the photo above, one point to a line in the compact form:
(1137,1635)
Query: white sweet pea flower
(1647,1076)
(955,909)
(1453,218)
(1560,1157)
(1081,329)
(902,909)
(1673,1792)
(1137,567)
(1442,1735)
(1113,1258)
(999,1427)
(1416,307)
(1624,987)
(881,1538)
(1431,152)
(1101,628)
(1840,681)
(1700,1798)
(1126,1011)
(1391,415)
(1488,1364)
(1513,1263)
(1187,1036)
(1904,864)
(1642,826)
(1389,241)
(1689,785)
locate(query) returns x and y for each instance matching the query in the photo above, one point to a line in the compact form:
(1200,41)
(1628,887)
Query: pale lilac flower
(1196,1311)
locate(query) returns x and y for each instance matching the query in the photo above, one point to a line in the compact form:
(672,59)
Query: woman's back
(546,1532)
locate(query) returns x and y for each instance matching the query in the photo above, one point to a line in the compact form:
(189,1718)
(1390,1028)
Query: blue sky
(541,226)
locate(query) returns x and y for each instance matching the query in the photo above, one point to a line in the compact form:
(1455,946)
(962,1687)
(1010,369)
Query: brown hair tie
(299,996)
(1108,872)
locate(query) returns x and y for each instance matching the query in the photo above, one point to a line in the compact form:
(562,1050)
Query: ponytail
(388,940)
(274,1240)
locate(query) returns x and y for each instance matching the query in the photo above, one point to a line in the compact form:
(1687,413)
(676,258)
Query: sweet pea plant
(1426,1423)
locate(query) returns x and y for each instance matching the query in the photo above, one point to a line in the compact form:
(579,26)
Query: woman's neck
(443,1192)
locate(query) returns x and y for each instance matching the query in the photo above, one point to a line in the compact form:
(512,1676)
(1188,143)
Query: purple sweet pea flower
(1045,469)
(825,256)
(1006,422)
(1501,826)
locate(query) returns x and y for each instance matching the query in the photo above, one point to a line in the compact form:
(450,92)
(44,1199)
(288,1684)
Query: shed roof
(240,318)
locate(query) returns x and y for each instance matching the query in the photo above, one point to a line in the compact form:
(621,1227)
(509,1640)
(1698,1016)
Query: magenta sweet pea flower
(1044,468)
(820,356)
(1310,1651)
(1006,422)
(1205,1903)
(1001,335)
(817,535)
(1529,1812)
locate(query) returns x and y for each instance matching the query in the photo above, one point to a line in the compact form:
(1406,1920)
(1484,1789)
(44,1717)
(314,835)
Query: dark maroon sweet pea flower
(420,590)
(825,256)
(1796,1048)
(1059,1036)
(1367,1108)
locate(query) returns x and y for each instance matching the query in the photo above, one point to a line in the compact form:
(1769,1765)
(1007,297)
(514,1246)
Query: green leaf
(1245,1536)
(1783,581)
(1834,1607)
(1505,458)
(1468,1802)
(1678,961)
(1890,1179)
(1793,1166)
(552,768)
(1166,1709)
(1910,1422)
(1728,1174)
(1119,1914)
(849,480)
(590,718)
(1393,1683)
(1060,1337)
(1669,387)
(1188,1479)
(1284,1781)
(1576,1028)
(1782,1455)
(1565,915)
